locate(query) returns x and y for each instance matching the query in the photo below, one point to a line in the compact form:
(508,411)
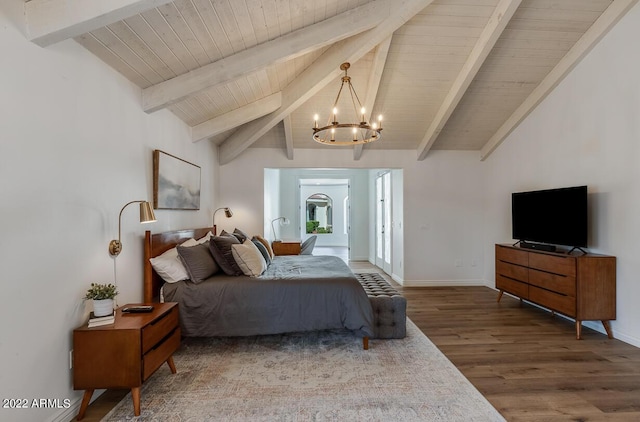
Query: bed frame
(157,244)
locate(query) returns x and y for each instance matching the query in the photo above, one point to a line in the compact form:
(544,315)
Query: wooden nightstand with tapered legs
(126,353)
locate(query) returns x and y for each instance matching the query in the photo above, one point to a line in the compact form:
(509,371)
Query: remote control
(137,309)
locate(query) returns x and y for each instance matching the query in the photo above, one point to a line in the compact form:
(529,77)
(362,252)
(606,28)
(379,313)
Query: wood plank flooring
(526,362)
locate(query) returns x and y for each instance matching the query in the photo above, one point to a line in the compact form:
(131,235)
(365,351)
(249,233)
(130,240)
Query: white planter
(102,307)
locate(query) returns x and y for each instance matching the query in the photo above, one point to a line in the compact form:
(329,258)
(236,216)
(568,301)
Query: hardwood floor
(526,362)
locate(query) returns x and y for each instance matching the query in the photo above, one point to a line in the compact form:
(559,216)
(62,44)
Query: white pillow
(249,258)
(203,239)
(168,265)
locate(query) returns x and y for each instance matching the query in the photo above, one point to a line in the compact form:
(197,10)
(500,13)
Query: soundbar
(538,246)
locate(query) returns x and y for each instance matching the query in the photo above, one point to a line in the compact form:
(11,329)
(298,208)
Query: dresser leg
(578,330)
(86,398)
(500,295)
(607,328)
(135,394)
(172,366)
(365,343)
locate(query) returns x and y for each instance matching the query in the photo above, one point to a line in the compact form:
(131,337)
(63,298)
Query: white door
(383,222)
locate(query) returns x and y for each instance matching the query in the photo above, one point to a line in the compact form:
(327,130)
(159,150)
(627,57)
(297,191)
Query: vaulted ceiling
(446,74)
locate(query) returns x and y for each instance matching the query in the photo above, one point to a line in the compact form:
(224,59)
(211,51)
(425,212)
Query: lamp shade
(146,213)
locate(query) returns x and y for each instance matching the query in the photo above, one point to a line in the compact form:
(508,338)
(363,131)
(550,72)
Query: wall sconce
(146,216)
(227,213)
(284,221)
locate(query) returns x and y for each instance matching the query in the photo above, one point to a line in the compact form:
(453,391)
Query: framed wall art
(176,183)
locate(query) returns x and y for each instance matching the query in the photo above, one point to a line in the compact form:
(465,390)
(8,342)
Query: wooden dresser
(582,287)
(126,353)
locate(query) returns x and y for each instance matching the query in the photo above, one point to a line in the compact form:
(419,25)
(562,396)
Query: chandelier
(335,133)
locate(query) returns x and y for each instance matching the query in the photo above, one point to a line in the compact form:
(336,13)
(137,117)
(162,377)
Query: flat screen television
(552,216)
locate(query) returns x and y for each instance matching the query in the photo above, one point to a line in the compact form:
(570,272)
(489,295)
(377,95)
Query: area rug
(318,376)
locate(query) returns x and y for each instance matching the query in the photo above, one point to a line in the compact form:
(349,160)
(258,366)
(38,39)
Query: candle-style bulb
(315,121)
(355,134)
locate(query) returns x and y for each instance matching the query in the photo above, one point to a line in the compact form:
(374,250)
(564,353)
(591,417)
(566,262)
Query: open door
(383,222)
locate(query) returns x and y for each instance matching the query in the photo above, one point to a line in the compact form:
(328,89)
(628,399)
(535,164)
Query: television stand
(538,246)
(582,287)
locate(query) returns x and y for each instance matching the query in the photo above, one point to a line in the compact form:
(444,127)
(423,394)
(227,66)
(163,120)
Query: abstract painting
(176,183)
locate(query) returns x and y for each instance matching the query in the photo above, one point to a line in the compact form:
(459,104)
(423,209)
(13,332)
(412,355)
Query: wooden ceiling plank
(375,76)
(52,21)
(284,48)
(594,34)
(288,136)
(498,21)
(323,71)
(236,117)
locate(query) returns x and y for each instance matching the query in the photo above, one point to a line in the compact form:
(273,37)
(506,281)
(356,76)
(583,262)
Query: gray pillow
(220,247)
(263,250)
(198,261)
(242,236)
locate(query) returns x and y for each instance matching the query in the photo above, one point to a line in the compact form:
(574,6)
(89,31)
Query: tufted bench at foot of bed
(389,307)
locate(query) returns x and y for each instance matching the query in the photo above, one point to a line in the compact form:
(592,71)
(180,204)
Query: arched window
(319,214)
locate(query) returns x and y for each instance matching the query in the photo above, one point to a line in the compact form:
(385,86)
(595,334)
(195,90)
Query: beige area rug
(319,376)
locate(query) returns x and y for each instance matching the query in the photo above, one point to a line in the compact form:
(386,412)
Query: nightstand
(126,353)
(286,247)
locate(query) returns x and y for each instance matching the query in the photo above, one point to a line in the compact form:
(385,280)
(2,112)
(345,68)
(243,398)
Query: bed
(295,293)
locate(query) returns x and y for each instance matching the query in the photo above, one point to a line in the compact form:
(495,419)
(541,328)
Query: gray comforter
(296,293)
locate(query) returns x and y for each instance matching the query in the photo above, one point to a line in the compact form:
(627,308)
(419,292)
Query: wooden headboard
(157,244)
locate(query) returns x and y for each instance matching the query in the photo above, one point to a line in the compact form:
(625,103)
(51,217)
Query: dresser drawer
(564,304)
(512,271)
(565,285)
(553,264)
(512,255)
(158,329)
(155,357)
(512,286)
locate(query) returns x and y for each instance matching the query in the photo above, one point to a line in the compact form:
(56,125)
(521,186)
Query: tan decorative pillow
(249,258)
(265,243)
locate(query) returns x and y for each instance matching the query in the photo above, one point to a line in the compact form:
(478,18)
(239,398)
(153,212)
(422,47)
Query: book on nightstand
(95,321)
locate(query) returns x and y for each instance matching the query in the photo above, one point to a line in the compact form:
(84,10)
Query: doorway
(322,214)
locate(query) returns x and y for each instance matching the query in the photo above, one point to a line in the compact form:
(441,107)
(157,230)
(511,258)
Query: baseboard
(443,283)
(397,279)
(66,415)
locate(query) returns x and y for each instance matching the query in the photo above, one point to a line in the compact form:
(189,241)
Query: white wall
(587,131)
(74,148)
(442,204)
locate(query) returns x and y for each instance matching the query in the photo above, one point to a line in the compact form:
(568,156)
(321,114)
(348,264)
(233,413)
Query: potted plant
(102,296)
